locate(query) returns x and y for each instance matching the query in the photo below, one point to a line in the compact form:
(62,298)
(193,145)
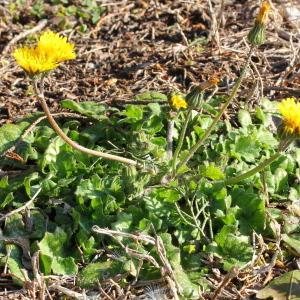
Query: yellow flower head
(51,50)
(263,13)
(177,101)
(290,110)
(56,46)
(33,61)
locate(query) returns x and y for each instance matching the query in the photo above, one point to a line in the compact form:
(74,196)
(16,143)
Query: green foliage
(234,249)
(195,214)
(54,253)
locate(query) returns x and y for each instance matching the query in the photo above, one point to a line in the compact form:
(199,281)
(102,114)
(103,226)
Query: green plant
(106,198)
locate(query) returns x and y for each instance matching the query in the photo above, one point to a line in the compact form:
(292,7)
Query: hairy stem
(40,95)
(265,163)
(219,115)
(282,147)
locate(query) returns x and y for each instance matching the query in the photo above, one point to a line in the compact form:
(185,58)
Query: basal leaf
(284,287)
(88,108)
(292,242)
(151,95)
(244,118)
(9,134)
(64,266)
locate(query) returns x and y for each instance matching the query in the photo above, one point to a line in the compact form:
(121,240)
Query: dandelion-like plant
(51,50)
(289,130)
(257,34)
(256,37)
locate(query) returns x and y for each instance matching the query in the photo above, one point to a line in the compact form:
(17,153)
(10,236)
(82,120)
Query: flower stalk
(216,119)
(264,164)
(40,95)
(284,144)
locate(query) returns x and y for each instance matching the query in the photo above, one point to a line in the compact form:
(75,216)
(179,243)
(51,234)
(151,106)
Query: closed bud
(257,34)
(195,97)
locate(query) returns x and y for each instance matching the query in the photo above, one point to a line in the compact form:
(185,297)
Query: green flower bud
(257,35)
(195,97)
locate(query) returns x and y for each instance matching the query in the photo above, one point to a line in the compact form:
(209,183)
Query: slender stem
(59,131)
(219,115)
(234,180)
(181,138)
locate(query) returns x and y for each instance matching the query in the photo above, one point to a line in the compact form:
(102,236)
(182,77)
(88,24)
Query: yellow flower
(263,13)
(177,101)
(290,111)
(55,46)
(33,61)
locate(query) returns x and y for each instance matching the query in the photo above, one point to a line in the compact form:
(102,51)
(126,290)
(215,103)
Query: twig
(229,276)
(166,271)
(22,35)
(67,292)
(22,207)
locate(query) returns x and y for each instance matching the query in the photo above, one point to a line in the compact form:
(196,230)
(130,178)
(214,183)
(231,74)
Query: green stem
(234,180)
(180,140)
(219,115)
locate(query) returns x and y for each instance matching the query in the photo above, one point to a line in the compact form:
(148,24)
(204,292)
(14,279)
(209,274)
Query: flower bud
(194,97)
(257,34)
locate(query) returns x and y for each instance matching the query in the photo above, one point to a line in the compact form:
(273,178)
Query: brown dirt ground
(146,45)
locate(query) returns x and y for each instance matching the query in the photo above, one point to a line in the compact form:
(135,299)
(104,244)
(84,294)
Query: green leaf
(244,118)
(64,266)
(190,290)
(293,243)
(251,213)
(281,180)
(87,108)
(284,287)
(53,243)
(7,200)
(10,133)
(123,222)
(260,115)
(95,272)
(247,147)
(14,263)
(151,95)
(46,262)
(234,249)
(54,248)
(155,108)
(133,112)
(212,172)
